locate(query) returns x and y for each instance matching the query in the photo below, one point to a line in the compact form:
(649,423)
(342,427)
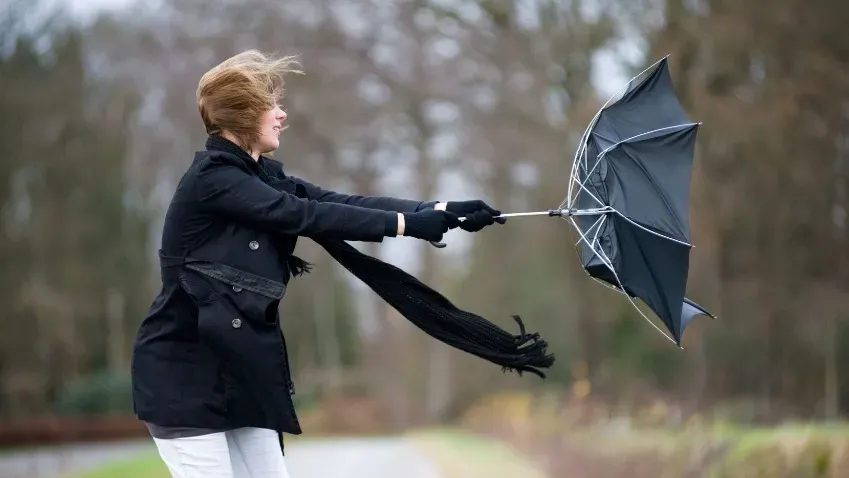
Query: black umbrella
(629,197)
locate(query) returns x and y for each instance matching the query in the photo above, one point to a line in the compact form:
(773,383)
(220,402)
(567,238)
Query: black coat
(211,353)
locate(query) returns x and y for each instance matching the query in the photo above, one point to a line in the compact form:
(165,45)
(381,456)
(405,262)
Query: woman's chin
(270,147)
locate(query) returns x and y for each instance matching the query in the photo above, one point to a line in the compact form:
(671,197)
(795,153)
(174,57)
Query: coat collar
(220,143)
(260,167)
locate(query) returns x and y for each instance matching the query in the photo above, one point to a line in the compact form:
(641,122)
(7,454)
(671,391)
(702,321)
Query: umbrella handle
(549,213)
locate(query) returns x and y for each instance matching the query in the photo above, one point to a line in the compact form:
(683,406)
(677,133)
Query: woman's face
(270,126)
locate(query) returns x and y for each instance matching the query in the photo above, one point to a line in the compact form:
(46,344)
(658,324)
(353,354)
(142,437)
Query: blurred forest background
(442,99)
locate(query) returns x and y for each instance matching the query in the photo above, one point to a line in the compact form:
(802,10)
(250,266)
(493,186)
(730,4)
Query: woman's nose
(282,115)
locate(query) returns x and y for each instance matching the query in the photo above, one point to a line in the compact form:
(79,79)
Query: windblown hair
(233,95)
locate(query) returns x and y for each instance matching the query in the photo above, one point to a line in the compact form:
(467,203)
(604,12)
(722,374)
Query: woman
(211,378)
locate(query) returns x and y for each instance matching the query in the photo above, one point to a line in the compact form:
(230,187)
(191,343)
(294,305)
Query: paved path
(327,458)
(358,457)
(50,462)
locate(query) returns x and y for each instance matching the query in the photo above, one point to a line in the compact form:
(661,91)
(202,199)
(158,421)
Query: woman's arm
(227,190)
(477,213)
(383,203)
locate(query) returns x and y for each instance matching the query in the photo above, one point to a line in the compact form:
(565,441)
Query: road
(50,462)
(327,458)
(358,457)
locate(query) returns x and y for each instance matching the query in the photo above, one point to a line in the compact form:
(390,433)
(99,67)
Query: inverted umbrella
(629,198)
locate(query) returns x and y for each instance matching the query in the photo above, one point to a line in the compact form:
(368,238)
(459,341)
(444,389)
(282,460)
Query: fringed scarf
(429,310)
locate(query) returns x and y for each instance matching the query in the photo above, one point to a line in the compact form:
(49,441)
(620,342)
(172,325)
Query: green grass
(807,450)
(146,465)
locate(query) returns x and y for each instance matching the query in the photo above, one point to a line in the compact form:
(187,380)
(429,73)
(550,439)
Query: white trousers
(240,453)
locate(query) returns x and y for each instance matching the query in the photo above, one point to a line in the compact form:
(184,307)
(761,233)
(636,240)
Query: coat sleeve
(372,202)
(228,191)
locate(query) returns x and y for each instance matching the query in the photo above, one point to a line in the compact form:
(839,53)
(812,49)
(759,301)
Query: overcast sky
(84,8)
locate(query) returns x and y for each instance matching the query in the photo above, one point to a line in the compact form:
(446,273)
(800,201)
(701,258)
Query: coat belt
(224,273)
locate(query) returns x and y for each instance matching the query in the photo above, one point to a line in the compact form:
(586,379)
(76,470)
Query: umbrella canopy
(632,183)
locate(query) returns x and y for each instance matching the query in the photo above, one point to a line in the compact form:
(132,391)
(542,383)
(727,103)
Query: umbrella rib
(595,225)
(657,189)
(609,264)
(567,202)
(632,138)
(582,141)
(683,243)
(573,174)
(581,184)
(600,221)
(639,311)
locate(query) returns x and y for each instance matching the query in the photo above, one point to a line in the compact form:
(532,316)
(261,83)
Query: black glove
(477,214)
(429,224)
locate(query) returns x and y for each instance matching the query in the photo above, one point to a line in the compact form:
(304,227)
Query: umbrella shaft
(519,214)
(556,213)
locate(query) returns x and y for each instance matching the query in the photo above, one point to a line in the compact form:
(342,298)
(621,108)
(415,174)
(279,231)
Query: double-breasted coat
(211,353)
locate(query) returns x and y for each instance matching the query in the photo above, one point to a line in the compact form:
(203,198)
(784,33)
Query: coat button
(253,245)
(237,323)
(237,288)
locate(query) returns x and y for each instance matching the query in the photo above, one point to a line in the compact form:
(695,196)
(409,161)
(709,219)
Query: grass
(146,465)
(716,451)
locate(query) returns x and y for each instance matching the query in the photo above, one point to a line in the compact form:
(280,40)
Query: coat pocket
(229,330)
(255,371)
(236,326)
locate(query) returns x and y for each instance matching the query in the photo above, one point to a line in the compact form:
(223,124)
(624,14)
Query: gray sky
(83,9)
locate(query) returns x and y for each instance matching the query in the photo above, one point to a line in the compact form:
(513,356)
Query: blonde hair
(233,95)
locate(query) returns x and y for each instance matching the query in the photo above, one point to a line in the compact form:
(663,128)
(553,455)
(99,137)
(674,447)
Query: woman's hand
(429,224)
(476,212)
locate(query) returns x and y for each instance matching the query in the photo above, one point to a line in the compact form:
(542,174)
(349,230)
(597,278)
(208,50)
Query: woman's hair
(233,95)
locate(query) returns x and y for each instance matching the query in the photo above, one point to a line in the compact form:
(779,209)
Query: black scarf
(427,309)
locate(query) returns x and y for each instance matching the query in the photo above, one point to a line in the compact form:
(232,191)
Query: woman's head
(239,99)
